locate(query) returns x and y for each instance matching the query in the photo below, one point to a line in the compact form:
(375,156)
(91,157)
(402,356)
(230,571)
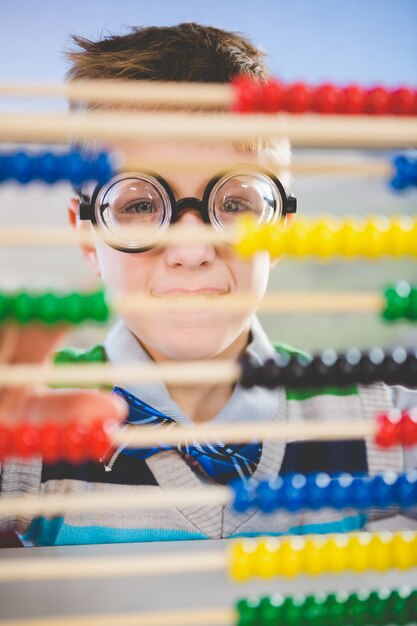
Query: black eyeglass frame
(87,208)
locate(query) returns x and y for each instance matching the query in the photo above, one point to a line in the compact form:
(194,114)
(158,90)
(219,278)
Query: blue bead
(406,489)
(294,492)
(338,494)
(359,494)
(266,496)
(50,168)
(398,182)
(382,490)
(22,168)
(244,495)
(75,168)
(317,491)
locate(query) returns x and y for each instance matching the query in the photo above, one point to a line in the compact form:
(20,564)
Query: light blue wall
(367,41)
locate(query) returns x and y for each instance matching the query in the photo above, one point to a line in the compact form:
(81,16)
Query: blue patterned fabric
(220,462)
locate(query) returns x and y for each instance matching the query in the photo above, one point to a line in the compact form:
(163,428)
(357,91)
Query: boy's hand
(34,344)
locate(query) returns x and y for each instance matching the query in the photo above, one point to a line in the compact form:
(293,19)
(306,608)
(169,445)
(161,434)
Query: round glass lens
(134,209)
(254,194)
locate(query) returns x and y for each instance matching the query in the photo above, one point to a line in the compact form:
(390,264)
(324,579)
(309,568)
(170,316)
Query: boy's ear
(88,250)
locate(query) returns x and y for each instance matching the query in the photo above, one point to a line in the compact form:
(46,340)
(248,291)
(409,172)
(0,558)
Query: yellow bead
(402,550)
(358,551)
(314,556)
(241,560)
(337,553)
(266,558)
(325,237)
(401,236)
(246,237)
(289,557)
(381,551)
(375,237)
(351,238)
(298,237)
(276,240)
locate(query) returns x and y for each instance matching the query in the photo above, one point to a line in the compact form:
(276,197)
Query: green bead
(293,609)
(95,355)
(248,612)
(96,307)
(73,308)
(377,607)
(49,308)
(24,307)
(357,612)
(5,306)
(396,302)
(336,608)
(271,610)
(315,610)
(398,606)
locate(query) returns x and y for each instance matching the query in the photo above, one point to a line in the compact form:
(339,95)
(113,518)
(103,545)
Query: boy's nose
(187,255)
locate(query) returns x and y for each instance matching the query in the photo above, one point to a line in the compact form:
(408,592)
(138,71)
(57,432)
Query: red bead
(75,438)
(354,100)
(408,430)
(389,431)
(51,441)
(403,101)
(248,95)
(99,439)
(298,98)
(378,101)
(6,438)
(26,440)
(273,97)
(328,99)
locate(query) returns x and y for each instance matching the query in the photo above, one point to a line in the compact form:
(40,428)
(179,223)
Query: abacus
(393,125)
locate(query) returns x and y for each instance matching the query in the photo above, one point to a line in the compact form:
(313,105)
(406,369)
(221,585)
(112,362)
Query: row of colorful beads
(317,491)
(51,308)
(362,608)
(48,167)
(74,441)
(329,369)
(293,556)
(327,237)
(272,96)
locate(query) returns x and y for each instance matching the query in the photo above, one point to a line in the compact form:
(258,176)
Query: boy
(188,52)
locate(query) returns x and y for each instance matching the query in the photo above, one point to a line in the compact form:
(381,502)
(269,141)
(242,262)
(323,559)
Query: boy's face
(184,270)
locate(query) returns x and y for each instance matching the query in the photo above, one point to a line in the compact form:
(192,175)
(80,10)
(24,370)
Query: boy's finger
(36,341)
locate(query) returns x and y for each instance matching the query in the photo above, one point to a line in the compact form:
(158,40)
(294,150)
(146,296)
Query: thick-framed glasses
(144,200)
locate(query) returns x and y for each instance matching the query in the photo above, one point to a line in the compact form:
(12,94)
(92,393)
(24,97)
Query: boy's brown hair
(187,52)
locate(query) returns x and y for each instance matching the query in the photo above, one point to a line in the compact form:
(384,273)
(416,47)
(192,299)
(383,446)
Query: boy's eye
(141,207)
(233,205)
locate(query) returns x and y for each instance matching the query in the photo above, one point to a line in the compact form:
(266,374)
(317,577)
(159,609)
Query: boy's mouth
(189,293)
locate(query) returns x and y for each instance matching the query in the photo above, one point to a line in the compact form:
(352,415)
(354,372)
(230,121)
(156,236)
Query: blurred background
(366,42)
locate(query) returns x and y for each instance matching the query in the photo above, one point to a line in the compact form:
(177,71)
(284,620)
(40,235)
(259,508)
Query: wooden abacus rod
(279,302)
(53,503)
(191,617)
(103,567)
(127,92)
(303,131)
(186,372)
(245,433)
(367,168)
